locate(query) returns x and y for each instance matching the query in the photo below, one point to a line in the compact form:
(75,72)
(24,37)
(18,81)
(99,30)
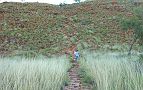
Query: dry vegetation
(39,27)
(33,74)
(112,72)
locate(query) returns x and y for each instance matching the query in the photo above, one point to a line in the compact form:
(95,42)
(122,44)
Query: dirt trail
(75,80)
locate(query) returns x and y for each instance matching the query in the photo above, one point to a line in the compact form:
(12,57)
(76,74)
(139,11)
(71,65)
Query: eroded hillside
(50,29)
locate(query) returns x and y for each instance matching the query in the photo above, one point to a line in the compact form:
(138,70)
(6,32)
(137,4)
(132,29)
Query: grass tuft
(112,72)
(33,74)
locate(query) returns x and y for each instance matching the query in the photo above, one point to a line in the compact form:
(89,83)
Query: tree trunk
(131,47)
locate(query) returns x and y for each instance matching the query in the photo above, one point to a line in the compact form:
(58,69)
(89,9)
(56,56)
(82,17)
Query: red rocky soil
(75,81)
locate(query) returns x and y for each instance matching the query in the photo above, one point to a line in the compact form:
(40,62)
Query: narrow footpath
(75,83)
(75,80)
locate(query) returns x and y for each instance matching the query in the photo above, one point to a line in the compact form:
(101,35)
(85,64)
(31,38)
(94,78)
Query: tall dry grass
(113,72)
(33,74)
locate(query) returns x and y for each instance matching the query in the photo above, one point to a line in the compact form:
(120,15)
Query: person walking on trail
(76,55)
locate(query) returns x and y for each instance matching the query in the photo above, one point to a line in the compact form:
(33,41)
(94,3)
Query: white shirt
(76,53)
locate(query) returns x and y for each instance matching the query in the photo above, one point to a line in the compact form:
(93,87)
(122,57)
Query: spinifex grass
(112,72)
(33,74)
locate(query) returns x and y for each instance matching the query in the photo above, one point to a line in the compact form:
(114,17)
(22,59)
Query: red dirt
(75,82)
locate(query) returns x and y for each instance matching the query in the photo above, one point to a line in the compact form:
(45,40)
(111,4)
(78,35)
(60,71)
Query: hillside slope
(51,29)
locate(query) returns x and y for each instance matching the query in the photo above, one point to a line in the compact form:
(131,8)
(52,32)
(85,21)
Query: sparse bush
(62,4)
(135,23)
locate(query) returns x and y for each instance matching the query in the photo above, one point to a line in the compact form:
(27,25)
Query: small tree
(78,1)
(135,23)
